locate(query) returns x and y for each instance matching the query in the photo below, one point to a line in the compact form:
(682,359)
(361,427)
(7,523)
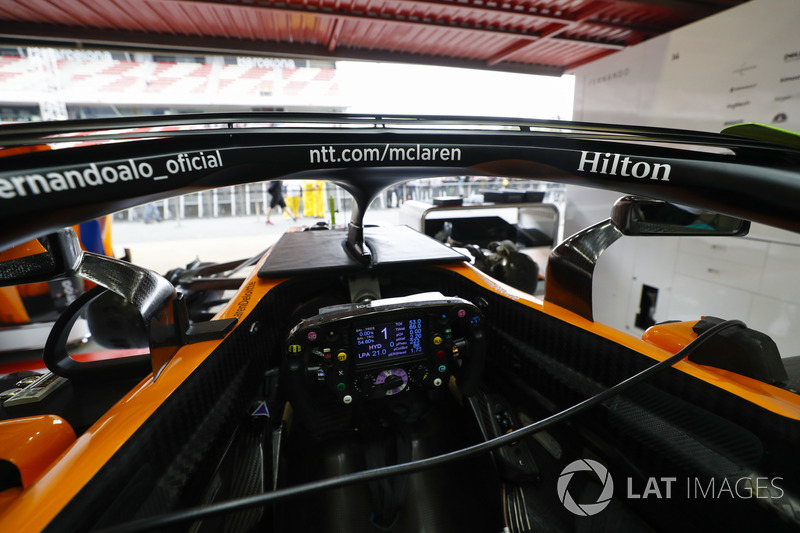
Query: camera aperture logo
(586,509)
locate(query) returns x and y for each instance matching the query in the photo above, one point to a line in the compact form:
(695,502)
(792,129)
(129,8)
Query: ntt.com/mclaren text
(383,153)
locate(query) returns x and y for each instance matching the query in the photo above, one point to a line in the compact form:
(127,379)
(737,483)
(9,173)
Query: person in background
(151,212)
(275,191)
(293,192)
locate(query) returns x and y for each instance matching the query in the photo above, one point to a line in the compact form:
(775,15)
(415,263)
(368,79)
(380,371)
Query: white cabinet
(781,276)
(726,249)
(693,298)
(727,261)
(778,319)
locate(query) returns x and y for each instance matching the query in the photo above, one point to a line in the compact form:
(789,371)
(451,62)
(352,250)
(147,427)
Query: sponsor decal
(97,56)
(791,56)
(385,153)
(738,104)
(744,68)
(95,175)
(743,87)
(261,409)
(617,74)
(244,302)
(69,291)
(264,62)
(622,165)
(194,161)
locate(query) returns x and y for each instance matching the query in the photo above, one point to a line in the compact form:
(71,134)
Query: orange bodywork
(16,150)
(771,398)
(32,444)
(10,297)
(12,310)
(38,504)
(26,249)
(672,336)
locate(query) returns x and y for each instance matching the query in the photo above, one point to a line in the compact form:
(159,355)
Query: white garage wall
(742,65)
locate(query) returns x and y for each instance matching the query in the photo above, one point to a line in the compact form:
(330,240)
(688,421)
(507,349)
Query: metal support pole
(247,199)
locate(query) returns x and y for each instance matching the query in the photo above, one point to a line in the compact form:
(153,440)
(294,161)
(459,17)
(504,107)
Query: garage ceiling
(548,37)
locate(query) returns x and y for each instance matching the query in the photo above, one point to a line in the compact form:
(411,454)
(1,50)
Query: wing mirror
(51,257)
(633,215)
(163,310)
(570,269)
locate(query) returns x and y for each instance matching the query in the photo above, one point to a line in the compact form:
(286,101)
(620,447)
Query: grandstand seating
(115,81)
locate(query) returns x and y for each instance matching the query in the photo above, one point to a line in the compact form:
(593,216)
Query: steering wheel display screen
(411,345)
(388,340)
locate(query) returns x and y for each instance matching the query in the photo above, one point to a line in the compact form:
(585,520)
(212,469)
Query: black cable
(421,464)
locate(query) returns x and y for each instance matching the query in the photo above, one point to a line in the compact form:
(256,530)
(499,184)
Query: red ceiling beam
(509,51)
(586,60)
(520,25)
(341,14)
(692,8)
(581,16)
(317,9)
(333,40)
(25,34)
(378,10)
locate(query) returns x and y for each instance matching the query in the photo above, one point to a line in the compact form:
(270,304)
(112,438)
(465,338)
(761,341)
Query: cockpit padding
(324,252)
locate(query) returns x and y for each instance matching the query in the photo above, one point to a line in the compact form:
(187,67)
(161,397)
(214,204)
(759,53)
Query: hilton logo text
(622,165)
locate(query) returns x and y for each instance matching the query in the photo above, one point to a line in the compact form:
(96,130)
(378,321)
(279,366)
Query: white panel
(725,249)
(779,320)
(611,283)
(654,265)
(655,258)
(730,273)
(768,233)
(741,65)
(781,277)
(693,298)
(586,207)
(609,90)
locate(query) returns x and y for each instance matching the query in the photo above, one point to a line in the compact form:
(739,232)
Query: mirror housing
(634,215)
(53,256)
(570,268)
(162,309)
